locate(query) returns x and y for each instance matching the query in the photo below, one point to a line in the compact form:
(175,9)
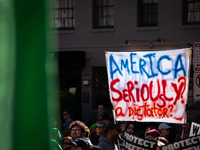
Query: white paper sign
(194,129)
(149,85)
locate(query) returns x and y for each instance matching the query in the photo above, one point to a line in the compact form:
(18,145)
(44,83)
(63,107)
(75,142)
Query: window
(191,12)
(147,13)
(100,88)
(62,14)
(103,13)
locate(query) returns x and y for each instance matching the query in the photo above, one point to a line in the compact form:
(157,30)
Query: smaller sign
(195,129)
(196,56)
(191,143)
(196,86)
(131,142)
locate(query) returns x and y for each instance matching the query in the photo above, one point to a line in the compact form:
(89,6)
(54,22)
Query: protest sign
(195,129)
(149,85)
(134,142)
(191,143)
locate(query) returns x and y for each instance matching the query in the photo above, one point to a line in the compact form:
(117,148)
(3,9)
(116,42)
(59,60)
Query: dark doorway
(70,91)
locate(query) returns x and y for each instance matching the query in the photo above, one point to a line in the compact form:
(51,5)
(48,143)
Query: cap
(112,126)
(55,131)
(80,143)
(154,133)
(163,126)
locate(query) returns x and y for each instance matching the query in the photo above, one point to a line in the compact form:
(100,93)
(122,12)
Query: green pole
(31,113)
(7,78)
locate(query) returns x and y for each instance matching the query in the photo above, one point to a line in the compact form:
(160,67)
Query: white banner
(149,85)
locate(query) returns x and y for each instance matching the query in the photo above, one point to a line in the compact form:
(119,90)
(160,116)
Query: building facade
(88,28)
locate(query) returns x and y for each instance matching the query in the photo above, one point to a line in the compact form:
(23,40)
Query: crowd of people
(102,134)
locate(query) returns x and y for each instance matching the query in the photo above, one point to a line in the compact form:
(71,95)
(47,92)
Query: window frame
(140,15)
(95,16)
(67,9)
(185,13)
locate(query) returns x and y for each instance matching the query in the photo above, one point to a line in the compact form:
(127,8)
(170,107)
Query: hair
(93,147)
(68,138)
(101,122)
(129,124)
(83,127)
(68,112)
(162,139)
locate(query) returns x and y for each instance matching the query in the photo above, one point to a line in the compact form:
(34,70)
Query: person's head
(152,134)
(123,127)
(66,141)
(99,116)
(66,115)
(100,109)
(78,129)
(164,129)
(106,118)
(149,128)
(79,144)
(112,132)
(130,128)
(100,127)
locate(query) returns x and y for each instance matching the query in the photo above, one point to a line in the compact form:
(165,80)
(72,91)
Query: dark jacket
(105,144)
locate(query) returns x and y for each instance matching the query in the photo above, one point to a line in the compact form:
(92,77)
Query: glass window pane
(51,23)
(145,9)
(197,17)
(111,11)
(57,13)
(70,13)
(51,13)
(70,2)
(70,22)
(58,23)
(99,2)
(57,4)
(66,23)
(197,6)
(111,2)
(66,3)
(112,20)
(100,21)
(144,1)
(190,7)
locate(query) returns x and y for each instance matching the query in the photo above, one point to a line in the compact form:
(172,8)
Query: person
(99,111)
(107,142)
(54,145)
(161,141)
(130,128)
(93,127)
(66,121)
(66,141)
(55,134)
(152,134)
(123,127)
(183,132)
(79,144)
(164,130)
(149,128)
(106,118)
(79,130)
(100,128)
